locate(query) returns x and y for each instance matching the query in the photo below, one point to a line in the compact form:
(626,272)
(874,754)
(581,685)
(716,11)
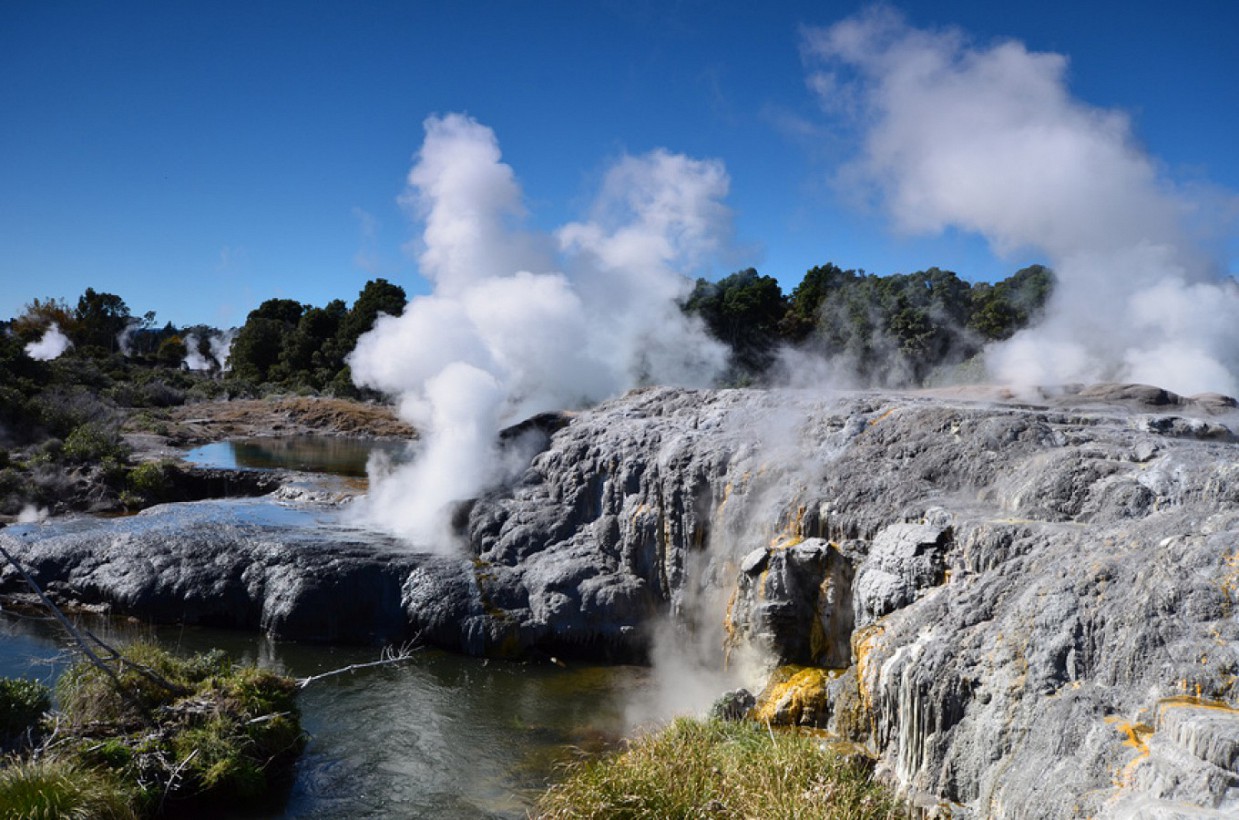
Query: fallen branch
(174,777)
(389,657)
(78,638)
(60,616)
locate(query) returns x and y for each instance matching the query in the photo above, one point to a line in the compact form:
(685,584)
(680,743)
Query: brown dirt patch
(204,422)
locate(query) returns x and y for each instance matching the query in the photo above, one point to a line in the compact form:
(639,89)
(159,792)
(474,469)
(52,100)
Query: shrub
(61,409)
(93,441)
(160,394)
(150,482)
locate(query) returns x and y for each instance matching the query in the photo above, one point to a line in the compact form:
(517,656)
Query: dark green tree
(805,303)
(308,356)
(378,296)
(260,342)
(999,310)
(100,319)
(744,311)
(172,351)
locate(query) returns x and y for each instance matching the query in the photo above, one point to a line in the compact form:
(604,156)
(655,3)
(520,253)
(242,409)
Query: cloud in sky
(521,322)
(989,139)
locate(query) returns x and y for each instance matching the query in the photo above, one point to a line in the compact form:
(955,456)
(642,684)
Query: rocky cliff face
(1024,609)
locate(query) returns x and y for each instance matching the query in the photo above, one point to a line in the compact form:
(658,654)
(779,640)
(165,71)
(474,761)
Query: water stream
(437,736)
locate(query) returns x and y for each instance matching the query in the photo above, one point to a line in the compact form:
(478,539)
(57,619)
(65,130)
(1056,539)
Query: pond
(313,454)
(437,736)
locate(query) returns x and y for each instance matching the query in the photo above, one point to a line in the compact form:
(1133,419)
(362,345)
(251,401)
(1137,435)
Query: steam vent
(1019,608)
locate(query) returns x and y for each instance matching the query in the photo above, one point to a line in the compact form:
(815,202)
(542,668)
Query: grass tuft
(59,789)
(717,769)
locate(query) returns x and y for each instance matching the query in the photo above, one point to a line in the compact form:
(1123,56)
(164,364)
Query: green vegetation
(891,330)
(61,421)
(54,788)
(294,346)
(22,703)
(722,769)
(162,736)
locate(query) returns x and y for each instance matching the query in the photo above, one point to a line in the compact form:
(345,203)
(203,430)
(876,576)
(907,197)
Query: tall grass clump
(60,789)
(22,703)
(721,769)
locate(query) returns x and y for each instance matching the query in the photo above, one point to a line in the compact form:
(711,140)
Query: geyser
(520,322)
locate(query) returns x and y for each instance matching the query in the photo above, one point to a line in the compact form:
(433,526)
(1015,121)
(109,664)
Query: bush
(205,390)
(150,482)
(60,410)
(160,394)
(93,441)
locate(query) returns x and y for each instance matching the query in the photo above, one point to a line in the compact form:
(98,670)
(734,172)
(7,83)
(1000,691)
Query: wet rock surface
(1029,601)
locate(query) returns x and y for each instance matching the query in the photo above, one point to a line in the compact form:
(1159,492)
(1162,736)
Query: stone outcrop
(1026,605)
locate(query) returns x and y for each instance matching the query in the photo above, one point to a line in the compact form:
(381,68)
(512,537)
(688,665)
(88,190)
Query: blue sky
(197,158)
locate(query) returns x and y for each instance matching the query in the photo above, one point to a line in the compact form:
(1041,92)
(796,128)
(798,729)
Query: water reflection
(439,736)
(311,454)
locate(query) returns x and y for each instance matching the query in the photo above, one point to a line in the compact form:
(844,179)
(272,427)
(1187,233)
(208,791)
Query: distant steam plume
(194,360)
(124,339)
(217,347)
(521,322)
(989,139)
(221,346)
(52,345)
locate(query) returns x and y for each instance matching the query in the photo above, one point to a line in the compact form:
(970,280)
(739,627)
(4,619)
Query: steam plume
(989,139)
(194,360)
(506,335)
(218,347)
(221,346)
(52,345)
(124,339)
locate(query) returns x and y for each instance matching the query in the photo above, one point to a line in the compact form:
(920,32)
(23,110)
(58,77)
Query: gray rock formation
(1030,602)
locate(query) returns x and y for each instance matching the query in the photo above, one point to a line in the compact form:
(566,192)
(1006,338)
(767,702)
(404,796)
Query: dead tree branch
(390,656)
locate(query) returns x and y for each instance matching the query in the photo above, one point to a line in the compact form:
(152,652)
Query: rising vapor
(520,322)
(51,346)
(989,140)
(217,348)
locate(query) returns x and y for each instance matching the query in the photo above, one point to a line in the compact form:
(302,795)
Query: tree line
(890,330)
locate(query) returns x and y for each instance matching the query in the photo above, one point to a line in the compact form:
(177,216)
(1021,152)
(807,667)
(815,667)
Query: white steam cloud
(124,339)
(221,346)
(51,346)
(520,322)
(218,347)
(989,139)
